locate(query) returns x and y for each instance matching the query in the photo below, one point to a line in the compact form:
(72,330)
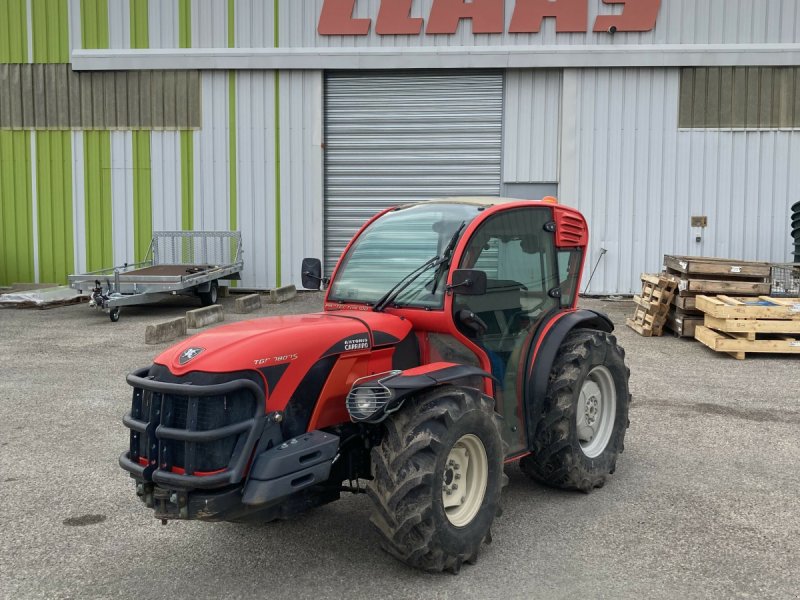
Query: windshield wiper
(401,285)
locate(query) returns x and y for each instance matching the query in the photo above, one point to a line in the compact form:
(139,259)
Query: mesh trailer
(177,262)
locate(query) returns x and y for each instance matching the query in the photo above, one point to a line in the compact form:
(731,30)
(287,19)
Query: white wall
(531,125)
(639,179)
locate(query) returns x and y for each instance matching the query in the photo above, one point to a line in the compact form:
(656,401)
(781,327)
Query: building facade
(674,125)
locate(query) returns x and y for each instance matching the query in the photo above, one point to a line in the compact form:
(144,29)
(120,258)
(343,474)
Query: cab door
(516,250)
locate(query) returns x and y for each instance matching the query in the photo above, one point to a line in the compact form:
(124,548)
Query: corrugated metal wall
(679,22)
(639,178)
(401,137)
(532,126)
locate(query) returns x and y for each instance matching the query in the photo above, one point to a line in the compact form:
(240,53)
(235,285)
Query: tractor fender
(402,384)
(542,356)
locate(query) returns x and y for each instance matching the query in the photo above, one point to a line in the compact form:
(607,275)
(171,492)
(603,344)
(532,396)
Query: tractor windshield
(395,245)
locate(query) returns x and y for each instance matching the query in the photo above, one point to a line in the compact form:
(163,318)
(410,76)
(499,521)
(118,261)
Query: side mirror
(311,273)
(468,282)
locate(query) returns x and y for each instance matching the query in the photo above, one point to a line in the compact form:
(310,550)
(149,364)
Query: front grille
(209,430)
(192,413)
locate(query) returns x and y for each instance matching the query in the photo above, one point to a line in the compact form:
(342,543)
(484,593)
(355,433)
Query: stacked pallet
(707,276)
(739,326)
(652,306)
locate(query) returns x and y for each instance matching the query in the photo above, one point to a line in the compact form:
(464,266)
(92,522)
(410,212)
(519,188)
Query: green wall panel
(94,23)
(185,23)
(13,31)
(97,182)
(187,180)
(140,25)
(142,194)
(54,205)
(50,20)
(16,208)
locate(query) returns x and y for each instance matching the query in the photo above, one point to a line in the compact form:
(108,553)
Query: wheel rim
(597,410)
(466,474)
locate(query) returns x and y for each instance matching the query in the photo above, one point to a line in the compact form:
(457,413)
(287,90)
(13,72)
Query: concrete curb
(201,317)
(247,304)
(282,294)
(165,332)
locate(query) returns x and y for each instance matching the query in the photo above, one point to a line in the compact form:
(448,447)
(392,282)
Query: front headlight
(369,396)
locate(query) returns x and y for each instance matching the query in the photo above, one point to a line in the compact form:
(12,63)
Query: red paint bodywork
(298,342)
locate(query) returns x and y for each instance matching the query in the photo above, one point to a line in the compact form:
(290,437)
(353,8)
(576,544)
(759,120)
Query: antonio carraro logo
(359,343)
(189,354)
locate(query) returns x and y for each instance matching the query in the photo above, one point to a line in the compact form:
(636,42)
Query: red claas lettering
(486,16)
(394,19)
(336,18)
(571,16)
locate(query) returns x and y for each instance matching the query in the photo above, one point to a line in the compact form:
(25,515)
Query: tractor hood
(295,342)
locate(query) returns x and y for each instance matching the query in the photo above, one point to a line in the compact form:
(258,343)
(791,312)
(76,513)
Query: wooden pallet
(738,346)
(652,305)
(712,268)
(742,325)
(761,307)
(693,287)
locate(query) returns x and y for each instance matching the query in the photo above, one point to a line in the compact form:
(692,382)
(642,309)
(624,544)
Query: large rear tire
(438,474)
(582,429)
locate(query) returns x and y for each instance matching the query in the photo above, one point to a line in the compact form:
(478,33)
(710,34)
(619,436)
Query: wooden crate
(683,325)
(693,287)
(652,305)
(739,326)
(739,346)
(762,307)
(711,268)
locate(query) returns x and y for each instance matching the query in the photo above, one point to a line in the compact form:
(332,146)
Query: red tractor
(449,346)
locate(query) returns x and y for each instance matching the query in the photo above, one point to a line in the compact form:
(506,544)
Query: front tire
(582,429)
(438,474)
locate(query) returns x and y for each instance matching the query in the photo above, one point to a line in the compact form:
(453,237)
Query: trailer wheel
(210,297)
(582,428)
(438,474)
(113,314)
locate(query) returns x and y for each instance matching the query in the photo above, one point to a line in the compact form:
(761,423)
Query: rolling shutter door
(393,138)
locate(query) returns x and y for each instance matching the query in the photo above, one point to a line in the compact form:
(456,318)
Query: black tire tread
(403,471)
(555,461)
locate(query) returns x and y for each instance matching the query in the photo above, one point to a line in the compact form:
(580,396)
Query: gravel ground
(704,502)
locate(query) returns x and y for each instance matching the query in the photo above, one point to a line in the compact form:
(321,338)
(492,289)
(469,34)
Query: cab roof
(476,200)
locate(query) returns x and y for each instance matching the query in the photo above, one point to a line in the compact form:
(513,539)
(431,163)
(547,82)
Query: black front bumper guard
(279,468)
(152,428)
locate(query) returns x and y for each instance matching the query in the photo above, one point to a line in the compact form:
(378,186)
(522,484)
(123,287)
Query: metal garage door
(392,138)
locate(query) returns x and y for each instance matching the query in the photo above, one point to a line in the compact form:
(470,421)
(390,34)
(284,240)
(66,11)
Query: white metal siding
(254,24)
(679,22)
(119,24)
(78,202)
(122,197)
(165,180)
(255,138)
(532,126)
(212,156)
(639,179)
(162,23)
(209,24)
(301,170)
(392,138)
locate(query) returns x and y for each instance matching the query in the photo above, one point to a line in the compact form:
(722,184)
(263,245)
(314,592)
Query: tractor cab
(476,277)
